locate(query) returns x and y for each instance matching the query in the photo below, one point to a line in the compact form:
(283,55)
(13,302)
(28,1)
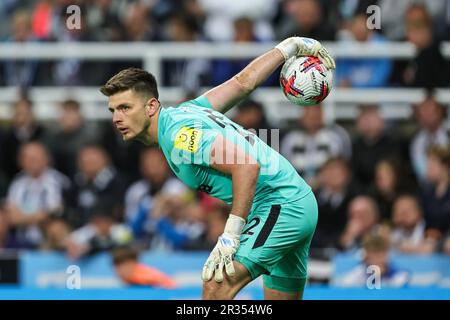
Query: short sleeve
(192,144)
(202,101)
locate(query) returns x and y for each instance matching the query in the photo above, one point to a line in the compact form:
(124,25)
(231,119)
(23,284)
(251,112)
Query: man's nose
(116,117)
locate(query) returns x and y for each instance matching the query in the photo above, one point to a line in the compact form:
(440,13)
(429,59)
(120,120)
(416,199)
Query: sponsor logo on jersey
(188,139)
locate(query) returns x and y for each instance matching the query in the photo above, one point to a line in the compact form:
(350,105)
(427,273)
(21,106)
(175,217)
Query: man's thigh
(279,232)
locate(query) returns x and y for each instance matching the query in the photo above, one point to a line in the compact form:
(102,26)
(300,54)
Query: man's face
(33,159)
(128,114)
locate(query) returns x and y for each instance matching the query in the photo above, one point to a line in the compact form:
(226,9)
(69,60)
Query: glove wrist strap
(234,226)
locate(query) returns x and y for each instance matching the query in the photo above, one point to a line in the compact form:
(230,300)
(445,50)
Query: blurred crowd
(422,23)
(75,186)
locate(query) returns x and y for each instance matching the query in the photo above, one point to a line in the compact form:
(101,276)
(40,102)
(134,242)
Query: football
(305,81)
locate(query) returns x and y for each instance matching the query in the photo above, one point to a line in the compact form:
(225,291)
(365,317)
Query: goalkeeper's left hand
(223,253)
(301,46)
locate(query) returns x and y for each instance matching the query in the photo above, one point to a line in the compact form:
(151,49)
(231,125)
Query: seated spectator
(224,69)
(5,238)
(168,222)
(250,115)
(432,131)
(305,18)
(190,74)
(333,196)
(362,73)
(408,234)
(218,25)
(376,270)
(216,219)
(20,73)
(138,23)
(95,180)
(157,179)
(101,233)
(24,129)
(363,217)
(428,68)
(435,192)
(132,272)
(70,136)
(390,181)
(34,196)
(103,20)
(446,248)
(124,154)
(393,10)
(371,144)
(309,146)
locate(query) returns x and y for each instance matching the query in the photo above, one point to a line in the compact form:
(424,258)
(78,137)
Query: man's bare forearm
(244,179)
(228,94)
(259,70)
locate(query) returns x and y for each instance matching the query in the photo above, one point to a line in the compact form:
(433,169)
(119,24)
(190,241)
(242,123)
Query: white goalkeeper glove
(223,253)
(300,46)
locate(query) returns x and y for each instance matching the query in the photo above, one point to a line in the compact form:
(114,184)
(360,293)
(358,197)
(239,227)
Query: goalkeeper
(273,211)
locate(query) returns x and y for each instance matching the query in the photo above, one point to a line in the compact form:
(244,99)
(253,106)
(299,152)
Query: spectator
(101,233)
(124,154)
(435,192)
(96,180)
(371,144)
(428,68)
(20,73)
(250,115)
(222,70)
(333,196)
(446,248)
(305,18)
(309,147)
(5,239)
(430,117)
(139,25)
(72,134)
(409,226)
(219,17)
(388,184)
(216,219)
(156,180)
(131,272)
(190,74)
(34,196)
(74,71)
(360,73)
(24,129)
(103,20)
(169,222)
(363,217)
(376,254)
(391,10)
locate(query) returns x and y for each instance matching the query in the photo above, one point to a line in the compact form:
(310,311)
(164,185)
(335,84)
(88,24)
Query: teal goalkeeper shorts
(276,241)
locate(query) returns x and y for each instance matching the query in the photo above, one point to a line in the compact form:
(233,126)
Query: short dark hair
(71,104)
(124,254)
(135,79)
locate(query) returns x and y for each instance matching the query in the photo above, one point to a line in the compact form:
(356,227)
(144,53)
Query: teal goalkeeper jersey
(186,134)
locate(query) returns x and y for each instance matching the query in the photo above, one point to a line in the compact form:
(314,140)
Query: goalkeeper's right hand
(300,46)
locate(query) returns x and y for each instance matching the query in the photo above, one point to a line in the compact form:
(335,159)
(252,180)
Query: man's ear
(151,107)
